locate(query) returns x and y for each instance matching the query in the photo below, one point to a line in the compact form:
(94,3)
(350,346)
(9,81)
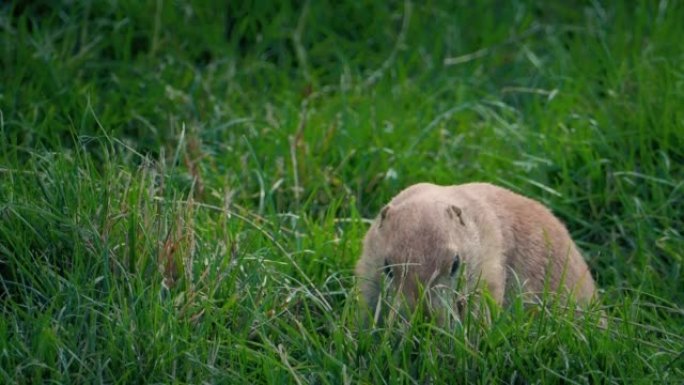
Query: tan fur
(503,240)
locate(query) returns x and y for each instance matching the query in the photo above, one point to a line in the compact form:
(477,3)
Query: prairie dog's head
(419,247)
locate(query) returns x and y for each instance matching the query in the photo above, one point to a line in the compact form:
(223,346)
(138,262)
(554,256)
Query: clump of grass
(184,188)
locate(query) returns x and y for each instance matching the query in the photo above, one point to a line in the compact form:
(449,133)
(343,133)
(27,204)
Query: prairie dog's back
(536,243)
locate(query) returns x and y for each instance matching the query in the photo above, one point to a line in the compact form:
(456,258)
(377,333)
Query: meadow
(184,187)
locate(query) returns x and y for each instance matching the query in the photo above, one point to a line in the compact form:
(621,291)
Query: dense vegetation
(184,187)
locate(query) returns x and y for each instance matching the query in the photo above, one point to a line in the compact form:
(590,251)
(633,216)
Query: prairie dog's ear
(383,214)
(455,212)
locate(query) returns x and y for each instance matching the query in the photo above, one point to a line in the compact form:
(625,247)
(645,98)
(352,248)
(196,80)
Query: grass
(183,187)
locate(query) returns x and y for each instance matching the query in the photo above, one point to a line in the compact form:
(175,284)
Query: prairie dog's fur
(500,238)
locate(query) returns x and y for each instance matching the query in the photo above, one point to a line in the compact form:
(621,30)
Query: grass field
(184,187)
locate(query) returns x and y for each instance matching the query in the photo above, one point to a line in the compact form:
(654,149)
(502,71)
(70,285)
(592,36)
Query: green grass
(183,188)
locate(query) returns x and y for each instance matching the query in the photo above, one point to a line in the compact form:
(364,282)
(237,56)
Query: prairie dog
(502,241)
